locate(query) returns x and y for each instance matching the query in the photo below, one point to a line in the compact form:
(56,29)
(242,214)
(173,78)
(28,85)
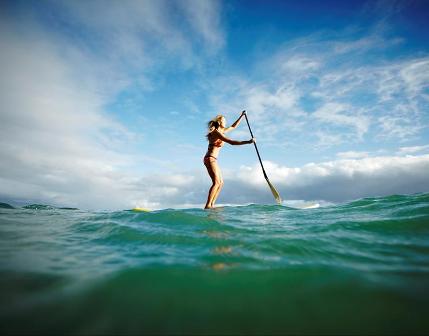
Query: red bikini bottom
(207,158)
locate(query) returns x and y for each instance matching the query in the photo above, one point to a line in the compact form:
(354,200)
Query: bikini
(217,143)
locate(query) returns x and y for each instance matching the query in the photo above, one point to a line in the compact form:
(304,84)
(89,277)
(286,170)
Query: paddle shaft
(256,147)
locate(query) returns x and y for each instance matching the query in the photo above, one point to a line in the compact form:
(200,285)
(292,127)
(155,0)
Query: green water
(360,267)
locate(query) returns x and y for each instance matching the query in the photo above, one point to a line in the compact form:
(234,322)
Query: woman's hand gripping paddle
(273,190)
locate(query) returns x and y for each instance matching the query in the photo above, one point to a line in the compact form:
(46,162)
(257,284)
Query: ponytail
(213,124)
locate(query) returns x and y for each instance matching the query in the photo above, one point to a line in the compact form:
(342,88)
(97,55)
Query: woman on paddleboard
(216,138)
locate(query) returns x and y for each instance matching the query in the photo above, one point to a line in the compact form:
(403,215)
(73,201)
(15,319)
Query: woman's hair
(214,124)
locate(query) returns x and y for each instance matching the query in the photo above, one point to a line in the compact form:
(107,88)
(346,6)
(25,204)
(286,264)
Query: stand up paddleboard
(141,209)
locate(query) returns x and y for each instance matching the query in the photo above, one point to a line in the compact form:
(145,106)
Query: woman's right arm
(232,142)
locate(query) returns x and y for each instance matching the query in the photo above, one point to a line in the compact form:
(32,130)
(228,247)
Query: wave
(46,207)
(6,206)
(39,207)
(358,267)
(368,203)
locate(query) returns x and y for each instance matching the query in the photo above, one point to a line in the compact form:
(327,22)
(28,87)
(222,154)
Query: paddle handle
(256,147)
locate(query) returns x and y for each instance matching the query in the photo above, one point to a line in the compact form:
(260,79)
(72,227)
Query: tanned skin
(213,152)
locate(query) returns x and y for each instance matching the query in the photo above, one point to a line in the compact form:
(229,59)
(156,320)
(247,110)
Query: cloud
(332,181)
(327,139)
(60,146)
(401,128)
(413,149)
(205,18)
(415,76)
(57,142)
(130,42)
(352,155)
(339,114)
(298,63)
(333,85)
(271,107)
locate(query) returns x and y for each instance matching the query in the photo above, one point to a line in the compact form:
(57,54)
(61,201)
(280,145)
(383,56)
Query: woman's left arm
(237,122)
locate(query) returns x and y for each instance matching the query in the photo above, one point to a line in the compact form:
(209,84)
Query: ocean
(355,268)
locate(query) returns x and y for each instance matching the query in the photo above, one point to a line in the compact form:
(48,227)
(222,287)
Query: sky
(104,104)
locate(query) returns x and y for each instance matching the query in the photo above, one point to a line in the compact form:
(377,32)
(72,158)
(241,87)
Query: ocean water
(360,267)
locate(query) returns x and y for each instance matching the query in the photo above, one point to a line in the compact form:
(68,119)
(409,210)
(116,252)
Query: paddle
(273,190)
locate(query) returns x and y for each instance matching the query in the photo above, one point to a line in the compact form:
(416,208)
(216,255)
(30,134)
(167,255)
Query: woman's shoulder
(217,131)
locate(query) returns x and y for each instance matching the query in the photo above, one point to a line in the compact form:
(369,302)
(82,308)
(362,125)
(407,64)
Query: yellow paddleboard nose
(141,209)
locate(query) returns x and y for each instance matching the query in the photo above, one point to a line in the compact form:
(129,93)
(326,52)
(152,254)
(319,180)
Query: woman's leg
(214,172)
(217,191)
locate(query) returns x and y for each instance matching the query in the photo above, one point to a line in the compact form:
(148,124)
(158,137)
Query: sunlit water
(361,267)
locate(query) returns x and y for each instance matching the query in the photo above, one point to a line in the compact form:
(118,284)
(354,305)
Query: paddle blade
(275,192)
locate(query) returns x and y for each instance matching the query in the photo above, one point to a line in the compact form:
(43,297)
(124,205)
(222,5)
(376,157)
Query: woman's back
(214,141)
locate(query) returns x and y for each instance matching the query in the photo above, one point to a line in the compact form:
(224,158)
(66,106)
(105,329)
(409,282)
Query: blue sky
(104,103)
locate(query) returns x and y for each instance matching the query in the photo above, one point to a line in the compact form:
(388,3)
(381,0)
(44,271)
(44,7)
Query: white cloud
(325,139)
(137,38)
(204,17)
(271,108)
(298,63)
(352,155)
(343,115)
(57,144)
(358,45)
(340,180)
(332,181)
(413,149)
(332,86)
(397,127)
(415,76)
(59,147)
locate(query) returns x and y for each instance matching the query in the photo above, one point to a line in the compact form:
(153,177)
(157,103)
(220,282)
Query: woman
(216,138)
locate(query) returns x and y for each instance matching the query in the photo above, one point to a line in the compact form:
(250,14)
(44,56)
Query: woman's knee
(219,184)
